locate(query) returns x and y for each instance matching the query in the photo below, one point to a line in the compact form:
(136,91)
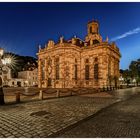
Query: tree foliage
(22,63)
(133,72)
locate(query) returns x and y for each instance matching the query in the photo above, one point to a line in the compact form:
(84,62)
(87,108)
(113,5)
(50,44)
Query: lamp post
(4,62)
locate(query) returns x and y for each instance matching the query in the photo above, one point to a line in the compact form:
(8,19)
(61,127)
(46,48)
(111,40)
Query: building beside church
(89,63)
(30,77)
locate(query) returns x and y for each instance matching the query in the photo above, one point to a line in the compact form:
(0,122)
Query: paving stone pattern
(41,119)
(121,120)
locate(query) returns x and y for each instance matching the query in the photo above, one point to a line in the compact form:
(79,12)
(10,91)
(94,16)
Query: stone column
(39,73)
(53,72)
(46,73)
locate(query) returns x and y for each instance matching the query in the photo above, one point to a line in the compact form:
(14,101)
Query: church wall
(67,58)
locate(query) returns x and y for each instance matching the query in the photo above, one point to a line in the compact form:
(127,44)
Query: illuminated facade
(77,63)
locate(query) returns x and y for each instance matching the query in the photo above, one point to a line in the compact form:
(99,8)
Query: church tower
(93,32)
(93,27)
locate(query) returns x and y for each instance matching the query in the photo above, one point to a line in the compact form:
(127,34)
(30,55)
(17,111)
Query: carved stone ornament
(51,43)
(61,39)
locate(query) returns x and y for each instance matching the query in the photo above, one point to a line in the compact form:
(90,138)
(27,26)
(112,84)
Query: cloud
(134,31)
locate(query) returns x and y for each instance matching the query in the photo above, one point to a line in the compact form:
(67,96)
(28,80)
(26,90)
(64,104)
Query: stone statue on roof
(61,39)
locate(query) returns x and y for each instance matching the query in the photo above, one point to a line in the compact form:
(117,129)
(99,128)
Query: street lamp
(4,63)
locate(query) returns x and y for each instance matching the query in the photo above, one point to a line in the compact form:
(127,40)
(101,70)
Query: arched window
(87,72)
(87,61)
(75,72)
(90,29)
(96,72)
(96,59)
(49,82)
(95,41)
(57,68)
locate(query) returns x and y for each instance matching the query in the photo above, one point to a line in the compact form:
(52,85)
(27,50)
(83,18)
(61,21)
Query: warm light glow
(1,51)
(6,61)
(9,60)
(26,82)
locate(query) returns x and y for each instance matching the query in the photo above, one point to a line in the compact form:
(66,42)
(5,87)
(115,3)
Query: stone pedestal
(17,97)
(40,95)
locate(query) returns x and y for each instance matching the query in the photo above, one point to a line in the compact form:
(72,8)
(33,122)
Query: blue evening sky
(25,25)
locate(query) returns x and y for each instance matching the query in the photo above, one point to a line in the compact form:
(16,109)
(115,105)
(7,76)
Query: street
(107,114)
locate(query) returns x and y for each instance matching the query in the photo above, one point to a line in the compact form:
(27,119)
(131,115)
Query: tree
(22,63)
(133,67)
(126,74)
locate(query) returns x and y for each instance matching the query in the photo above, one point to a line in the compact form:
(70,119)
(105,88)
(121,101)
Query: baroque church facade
(74,63)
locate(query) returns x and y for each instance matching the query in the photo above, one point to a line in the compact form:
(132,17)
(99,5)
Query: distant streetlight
(4,63)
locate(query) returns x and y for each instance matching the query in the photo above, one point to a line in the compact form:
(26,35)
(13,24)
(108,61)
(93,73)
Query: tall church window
(96,76)
(75,72)
(90,29)
(57,69)
(49,82)
(87,72)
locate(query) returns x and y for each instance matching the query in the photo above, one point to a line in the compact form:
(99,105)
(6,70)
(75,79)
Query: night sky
(25,25)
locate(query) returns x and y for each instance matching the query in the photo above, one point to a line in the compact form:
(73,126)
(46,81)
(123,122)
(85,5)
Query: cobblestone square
(41,119)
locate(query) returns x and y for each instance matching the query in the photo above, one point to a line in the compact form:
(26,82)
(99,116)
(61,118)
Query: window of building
(87,61)
(95,41)
(57,71)
(96,59)
(87,72)
(49,82)
(75,72)
(57,60)
(57,68)
(96,71)
(90,29)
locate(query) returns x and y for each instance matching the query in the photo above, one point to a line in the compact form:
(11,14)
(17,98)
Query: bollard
(58,93)
(17,97)
(107,89)
(40,95)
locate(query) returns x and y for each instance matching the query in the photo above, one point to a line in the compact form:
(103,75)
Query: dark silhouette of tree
(22,63)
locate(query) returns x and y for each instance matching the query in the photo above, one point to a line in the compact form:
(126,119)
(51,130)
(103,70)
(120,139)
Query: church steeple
(93,32)
(93,27)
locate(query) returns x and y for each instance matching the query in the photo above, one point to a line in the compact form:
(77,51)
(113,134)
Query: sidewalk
(43,118)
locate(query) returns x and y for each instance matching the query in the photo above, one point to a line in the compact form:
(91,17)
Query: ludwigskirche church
(77,63)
